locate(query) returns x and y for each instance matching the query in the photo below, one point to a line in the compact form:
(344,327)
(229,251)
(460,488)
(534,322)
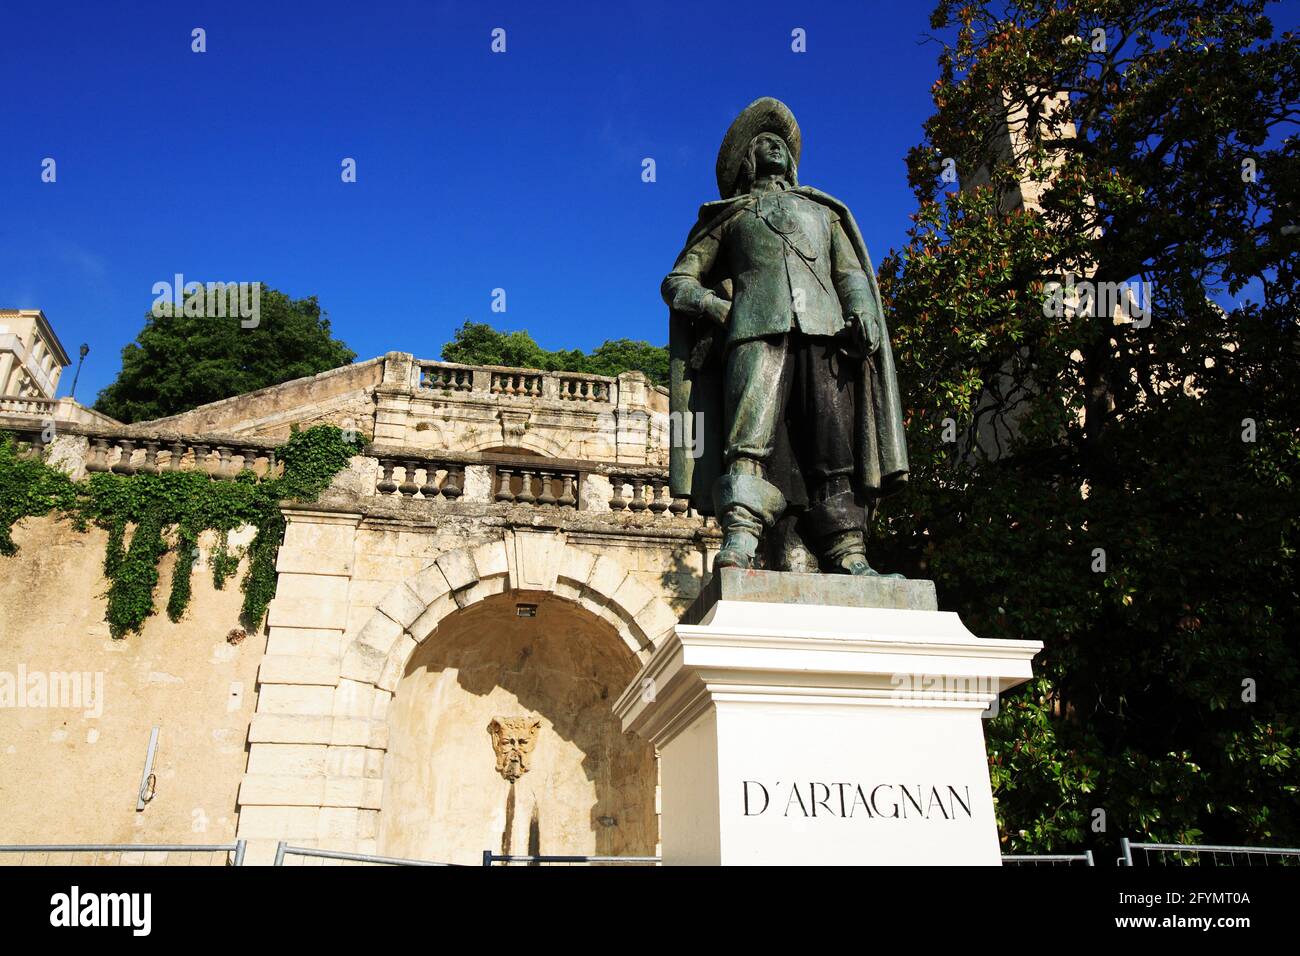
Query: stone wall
(71,774)
(506,547)
(385,609)
(342,396)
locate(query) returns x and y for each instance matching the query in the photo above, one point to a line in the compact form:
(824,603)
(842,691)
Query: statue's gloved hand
(716,309)
(867,332)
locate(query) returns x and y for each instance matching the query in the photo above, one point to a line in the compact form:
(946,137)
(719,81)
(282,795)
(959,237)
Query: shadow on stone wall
(589,789)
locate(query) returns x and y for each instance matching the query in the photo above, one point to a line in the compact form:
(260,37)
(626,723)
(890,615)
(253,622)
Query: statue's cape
(695,349)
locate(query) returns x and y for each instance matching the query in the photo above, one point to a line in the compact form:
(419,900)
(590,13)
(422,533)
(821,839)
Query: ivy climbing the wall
(175,505)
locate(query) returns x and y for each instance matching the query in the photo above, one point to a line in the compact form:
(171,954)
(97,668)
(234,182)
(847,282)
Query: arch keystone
(534,559)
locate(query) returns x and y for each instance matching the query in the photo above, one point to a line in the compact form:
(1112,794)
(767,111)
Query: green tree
(181,362)
(1123,491)
(477,343)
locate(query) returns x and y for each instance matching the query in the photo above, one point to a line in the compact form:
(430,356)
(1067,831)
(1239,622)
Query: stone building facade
(505,549)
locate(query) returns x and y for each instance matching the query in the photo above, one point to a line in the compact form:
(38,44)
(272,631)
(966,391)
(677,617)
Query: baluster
(124,466)
(678,506)
(201,459)
(386,485)
(223,461)
(567,498)
(526,489)
(638,502)
(430,487)
(408,487)
(98,455)
(150,464)
(657,502)
(248,461)
(546,498)
(618,502)
(453,484)
(503,489)
(175,452)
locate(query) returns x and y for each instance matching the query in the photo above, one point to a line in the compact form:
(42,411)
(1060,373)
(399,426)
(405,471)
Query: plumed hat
(764,115)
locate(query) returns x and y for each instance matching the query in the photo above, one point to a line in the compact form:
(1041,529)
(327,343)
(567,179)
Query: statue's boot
(847,553)
(837,521)
(850,557)
(744,504)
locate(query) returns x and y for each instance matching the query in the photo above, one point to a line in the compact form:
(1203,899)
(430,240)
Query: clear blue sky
(475,170)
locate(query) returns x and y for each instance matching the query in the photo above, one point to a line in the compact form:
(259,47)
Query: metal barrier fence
(1048,859)
(491,859)
(1200,854)
(123,854)
(232,854)
(341,858)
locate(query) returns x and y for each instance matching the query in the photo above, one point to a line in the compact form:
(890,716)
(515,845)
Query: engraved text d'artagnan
(846,800)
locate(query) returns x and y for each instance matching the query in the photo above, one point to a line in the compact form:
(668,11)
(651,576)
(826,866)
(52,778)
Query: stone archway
(579,785)
(521,561)
(339,794)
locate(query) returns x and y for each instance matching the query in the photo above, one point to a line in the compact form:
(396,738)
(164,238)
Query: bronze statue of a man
(786,418)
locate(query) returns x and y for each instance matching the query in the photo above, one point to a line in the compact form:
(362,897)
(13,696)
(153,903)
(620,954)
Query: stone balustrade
(536,485)
(426,478)
(640,492)
(526,383)
(520,383)
(32,407)
(451,378)
(585,388)
(150,456)
(487,478)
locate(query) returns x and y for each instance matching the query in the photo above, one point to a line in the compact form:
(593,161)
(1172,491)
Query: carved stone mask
(513,739)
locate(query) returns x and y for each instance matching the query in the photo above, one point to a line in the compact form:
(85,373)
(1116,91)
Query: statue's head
(768,155)
(513,739)
(763,140)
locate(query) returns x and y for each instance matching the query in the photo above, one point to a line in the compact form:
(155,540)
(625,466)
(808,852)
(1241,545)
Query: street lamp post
(81,357)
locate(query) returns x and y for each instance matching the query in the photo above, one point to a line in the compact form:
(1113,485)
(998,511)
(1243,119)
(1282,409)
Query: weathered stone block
(298,760)
(279,822)
(430,584)
(397,658)
(438,609)
(295,699)
(290,729)
(304,642)
(458,567)
(362,662)
(576,565)
(353,698)
(606,577)
(282,791)
(490,559)
(402,605)
(277,669)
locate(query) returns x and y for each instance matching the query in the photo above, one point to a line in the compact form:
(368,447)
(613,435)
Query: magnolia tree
(1114,478)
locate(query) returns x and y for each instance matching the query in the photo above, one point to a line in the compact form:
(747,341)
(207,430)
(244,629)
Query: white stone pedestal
(817,733)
